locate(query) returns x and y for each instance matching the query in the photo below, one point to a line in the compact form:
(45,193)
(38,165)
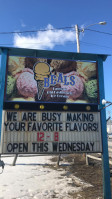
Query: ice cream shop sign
(51,80)
(66,90)
(51,132)
(51,103)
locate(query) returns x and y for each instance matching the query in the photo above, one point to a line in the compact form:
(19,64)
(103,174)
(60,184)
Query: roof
(53,54)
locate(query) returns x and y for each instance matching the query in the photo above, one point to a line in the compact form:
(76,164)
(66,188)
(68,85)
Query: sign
(51,80)
(51,132)
(64,82)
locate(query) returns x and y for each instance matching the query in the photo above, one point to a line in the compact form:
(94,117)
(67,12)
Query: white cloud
(45,39)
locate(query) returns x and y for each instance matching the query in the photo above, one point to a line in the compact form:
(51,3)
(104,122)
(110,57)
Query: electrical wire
(41,30)
(107,33)
(44,30)
(95,44)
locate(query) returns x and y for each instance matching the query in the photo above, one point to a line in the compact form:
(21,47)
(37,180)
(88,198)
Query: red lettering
(56,136)
(40,136)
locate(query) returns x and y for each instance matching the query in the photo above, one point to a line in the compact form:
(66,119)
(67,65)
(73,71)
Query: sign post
(2,83)
(105,157)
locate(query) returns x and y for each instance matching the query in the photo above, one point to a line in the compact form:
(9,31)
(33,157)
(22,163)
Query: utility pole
(77,38)
(82,30)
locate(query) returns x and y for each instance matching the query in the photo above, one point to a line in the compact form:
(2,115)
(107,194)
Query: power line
(40,30)
(61,28)
(107,33)
(95,44)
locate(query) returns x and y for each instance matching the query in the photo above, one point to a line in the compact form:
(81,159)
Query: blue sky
(22,15)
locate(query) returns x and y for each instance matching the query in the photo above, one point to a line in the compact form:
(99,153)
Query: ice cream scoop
(41,71)
(15,64)
(11,81)
(86,69)
(73,91)
(63,66)
(92,89)
(26,85)
(30,62)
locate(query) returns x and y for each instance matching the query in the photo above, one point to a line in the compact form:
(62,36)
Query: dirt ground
(90,174)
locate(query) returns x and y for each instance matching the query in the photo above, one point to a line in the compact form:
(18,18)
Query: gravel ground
(91,174)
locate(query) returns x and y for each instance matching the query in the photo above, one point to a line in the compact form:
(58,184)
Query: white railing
(98,155)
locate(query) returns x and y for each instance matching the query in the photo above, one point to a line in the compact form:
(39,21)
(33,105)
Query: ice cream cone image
(41,71)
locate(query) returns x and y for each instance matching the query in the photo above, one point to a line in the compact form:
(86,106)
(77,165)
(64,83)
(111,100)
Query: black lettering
(39,125)
(24,117)
(9,147)
(50,127)
(60,127)
(6,125)
(44,126)
(70,147)
(22,126)
(85,117)
(69,117)
(75,127)
(29,126)
(43,116)
(30,116)
(25,147)
(38,147)
(45,147)
(74,146)
(60,147)
(78,146)
(11,126)
(87,147)
(67,126)
(54,116)
(17,147)
(34,127)
(90,126)
(33,146)
(11,116)
(84,127)
(55,145)
(78,117)
(80,126)
(82,146)
(19,126)
(91,117)
(59,116)
(95,127)
(34,116)
(92,145)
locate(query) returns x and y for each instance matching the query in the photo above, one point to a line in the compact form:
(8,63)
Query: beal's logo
(59,79)
(45,78)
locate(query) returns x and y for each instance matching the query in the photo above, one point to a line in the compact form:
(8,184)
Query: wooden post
(59,156)
(15,159)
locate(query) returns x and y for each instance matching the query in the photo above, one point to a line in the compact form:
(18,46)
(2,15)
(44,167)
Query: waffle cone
(40,86)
